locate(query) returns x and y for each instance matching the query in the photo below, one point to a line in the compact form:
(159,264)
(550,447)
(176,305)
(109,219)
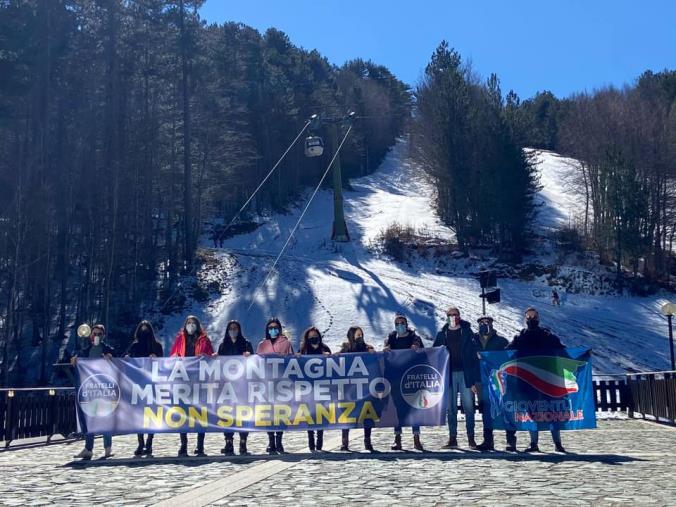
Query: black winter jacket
(138,349)
(238,348)
(394,342)
(468,350)
(540,338)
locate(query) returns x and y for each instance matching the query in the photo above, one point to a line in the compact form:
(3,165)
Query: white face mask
(232,333)
(453,321)
(191,328)
(96,340)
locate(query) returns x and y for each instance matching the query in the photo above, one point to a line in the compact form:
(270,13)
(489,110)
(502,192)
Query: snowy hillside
(334,287)
(557,204)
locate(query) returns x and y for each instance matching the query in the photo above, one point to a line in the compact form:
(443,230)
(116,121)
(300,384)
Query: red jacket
(202,345)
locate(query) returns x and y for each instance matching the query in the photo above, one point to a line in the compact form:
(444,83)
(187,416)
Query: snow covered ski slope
(334,287)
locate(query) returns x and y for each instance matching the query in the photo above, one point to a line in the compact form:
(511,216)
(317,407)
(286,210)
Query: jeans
(485,407)
(556,436)
(107,441)
(467,399)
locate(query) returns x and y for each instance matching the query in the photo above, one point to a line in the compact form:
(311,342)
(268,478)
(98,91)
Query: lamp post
(669,310)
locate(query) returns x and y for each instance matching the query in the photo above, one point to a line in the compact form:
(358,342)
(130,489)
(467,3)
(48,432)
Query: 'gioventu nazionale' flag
(536,391)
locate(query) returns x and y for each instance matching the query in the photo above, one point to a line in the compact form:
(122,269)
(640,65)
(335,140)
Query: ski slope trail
(334,286)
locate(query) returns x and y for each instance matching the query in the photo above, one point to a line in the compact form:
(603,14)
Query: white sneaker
(108,453)
(84,454)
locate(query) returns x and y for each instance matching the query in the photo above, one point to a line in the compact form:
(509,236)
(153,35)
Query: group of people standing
(463,344)
(464,347)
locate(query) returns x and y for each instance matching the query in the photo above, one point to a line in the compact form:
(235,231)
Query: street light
(669,309)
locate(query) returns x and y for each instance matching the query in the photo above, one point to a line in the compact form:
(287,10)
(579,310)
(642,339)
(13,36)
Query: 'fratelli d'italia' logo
(551,375)
(422,386)
(99,395)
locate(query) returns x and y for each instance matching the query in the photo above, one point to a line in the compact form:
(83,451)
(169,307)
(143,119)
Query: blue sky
(560,45)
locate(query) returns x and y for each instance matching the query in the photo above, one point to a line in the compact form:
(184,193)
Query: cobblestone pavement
(624,462)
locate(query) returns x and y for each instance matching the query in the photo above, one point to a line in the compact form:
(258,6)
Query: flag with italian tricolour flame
(551,375)
(542,390)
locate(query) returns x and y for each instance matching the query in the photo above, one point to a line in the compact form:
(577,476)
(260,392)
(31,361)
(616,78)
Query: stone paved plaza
(623,462)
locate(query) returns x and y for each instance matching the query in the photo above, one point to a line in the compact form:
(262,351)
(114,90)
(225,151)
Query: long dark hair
(145,323)
(198,331)
(351,341)
(304,343)
(143,348)
(353,331)
(240,336)
(273,320)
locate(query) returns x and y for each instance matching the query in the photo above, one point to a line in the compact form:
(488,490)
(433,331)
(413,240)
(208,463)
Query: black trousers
(231,434)
(148,442)
(487,419)
(200,440)
(367,433)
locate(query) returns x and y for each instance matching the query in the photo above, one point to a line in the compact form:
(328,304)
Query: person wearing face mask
(530,340)
(95,348)
(457,336)
(488,340)
(274,343)
(311,344)
(234,344)
(192,340)
(355,344)
(144,345)
(404,338)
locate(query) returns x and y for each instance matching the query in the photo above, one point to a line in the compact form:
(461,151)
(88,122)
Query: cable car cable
(307,123)
(194,268)
(295,227)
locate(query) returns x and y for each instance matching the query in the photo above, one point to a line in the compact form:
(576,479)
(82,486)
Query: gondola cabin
(314,146)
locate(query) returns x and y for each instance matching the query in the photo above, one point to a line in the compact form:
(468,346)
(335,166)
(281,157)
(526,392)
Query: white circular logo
(422,386)
(99,395)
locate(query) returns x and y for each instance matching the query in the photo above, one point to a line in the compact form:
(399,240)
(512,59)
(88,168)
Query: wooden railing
(37,412)
(611,394)
(653,395)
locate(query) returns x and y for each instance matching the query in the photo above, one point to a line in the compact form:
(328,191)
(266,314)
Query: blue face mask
(401,328)
(484,329)
(274,332)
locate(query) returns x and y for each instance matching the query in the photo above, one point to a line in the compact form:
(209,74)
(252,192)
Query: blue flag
(539,391)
